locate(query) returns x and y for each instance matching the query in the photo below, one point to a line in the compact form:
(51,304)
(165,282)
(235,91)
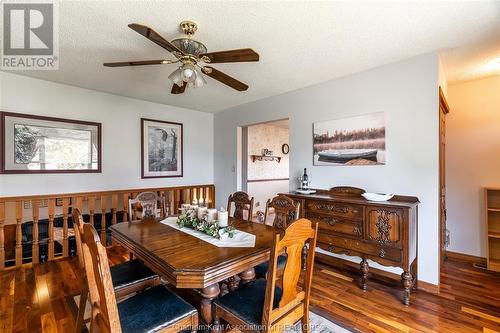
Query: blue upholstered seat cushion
(247,302)
(152,310)
(129,273)
(261,270)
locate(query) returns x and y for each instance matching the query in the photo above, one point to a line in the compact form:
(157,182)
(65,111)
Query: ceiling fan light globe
(188,73)
(176,77)
(200,81)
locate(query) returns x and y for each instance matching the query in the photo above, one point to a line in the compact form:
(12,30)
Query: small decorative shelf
(265,158)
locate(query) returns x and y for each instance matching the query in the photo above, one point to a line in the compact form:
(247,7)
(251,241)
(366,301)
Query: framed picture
(356,140)
(38,144)
(161,148)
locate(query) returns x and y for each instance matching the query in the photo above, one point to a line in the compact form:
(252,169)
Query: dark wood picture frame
(180,149)
(4,170)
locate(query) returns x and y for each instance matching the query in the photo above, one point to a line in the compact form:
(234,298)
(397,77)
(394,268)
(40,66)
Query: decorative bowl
(377,196)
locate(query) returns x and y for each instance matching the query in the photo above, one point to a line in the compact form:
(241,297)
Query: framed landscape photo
(38,144)
(358,140)
(161,148)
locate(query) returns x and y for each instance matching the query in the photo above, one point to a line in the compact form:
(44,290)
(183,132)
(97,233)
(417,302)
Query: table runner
(240,238)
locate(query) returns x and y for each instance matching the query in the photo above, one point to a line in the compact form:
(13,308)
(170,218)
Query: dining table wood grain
(189,262)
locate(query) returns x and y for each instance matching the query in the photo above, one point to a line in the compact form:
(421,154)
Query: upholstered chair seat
(261,270)
(152,310)
(247,302)
(131,276)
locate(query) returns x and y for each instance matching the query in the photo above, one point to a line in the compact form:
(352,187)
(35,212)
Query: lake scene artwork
(358,140)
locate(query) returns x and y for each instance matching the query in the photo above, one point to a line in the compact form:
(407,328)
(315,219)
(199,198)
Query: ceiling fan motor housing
(189,46)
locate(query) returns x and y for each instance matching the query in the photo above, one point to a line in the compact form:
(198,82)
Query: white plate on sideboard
(377,196)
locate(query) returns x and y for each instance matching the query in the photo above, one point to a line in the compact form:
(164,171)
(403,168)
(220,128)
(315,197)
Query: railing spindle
(19,233)
(91,209)
(52,209)
(125,207)
(65,206)
(177,201)
(114,207)
(35,245)
(171,202)
(2,237)
(103,219)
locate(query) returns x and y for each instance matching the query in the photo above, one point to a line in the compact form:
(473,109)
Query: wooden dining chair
(284,211)
(242,202)
(261,306)
(127,278)
(156,309)
(148,202)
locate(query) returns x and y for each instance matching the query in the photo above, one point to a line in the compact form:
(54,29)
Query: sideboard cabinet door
(384,225)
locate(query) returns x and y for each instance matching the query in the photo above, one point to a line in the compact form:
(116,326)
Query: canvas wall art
(161,148)
(356,140)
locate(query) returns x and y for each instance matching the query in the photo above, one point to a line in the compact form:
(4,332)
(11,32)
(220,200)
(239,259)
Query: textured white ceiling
(300,43)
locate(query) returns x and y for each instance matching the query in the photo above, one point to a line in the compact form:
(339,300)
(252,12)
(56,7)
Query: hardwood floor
(39,299)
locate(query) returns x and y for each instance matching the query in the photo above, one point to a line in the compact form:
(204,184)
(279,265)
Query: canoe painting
(356,140)
(346,155)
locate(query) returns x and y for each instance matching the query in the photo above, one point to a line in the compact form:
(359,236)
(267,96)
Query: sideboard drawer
(351,211)
(373,250)
(337,224)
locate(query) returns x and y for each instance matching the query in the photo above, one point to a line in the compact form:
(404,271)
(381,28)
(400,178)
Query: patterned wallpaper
(270,137)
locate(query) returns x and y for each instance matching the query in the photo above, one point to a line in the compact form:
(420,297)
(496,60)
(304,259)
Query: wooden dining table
(188,262)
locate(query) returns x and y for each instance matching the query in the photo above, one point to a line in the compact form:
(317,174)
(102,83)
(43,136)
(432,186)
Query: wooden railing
(97,208)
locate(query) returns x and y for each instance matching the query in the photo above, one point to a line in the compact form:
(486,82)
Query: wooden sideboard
(385,232)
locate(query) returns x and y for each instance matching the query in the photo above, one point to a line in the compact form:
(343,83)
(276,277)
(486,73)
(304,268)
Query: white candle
(202,211)
(211,215)
(223,217)
(184,208)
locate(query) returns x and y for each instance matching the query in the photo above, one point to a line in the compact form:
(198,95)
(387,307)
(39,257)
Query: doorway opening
(444,238)
(263,169)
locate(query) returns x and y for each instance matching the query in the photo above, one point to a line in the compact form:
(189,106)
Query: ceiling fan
(191,55)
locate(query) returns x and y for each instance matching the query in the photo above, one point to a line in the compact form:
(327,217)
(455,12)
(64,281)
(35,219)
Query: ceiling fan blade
(224,78)
(239,55)
(154,37)
(178,90)
(135,63)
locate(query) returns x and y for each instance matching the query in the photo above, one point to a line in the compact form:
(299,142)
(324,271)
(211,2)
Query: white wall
(406,91)
(261,191)
(121,140)
(472,160)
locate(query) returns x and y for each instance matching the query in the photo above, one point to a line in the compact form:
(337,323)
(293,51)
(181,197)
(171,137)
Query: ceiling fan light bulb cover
(176,76)
(188,73)
(200,81)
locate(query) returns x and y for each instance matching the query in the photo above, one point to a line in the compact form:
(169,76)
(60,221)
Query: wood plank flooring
(39,299)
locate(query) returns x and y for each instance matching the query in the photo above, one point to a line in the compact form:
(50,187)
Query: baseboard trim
(376,273)
(465,257)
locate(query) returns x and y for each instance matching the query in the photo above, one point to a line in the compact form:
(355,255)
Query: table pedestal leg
(247,276)
(208,294)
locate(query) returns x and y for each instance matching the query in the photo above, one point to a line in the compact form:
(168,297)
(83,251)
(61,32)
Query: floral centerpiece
(190,218)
